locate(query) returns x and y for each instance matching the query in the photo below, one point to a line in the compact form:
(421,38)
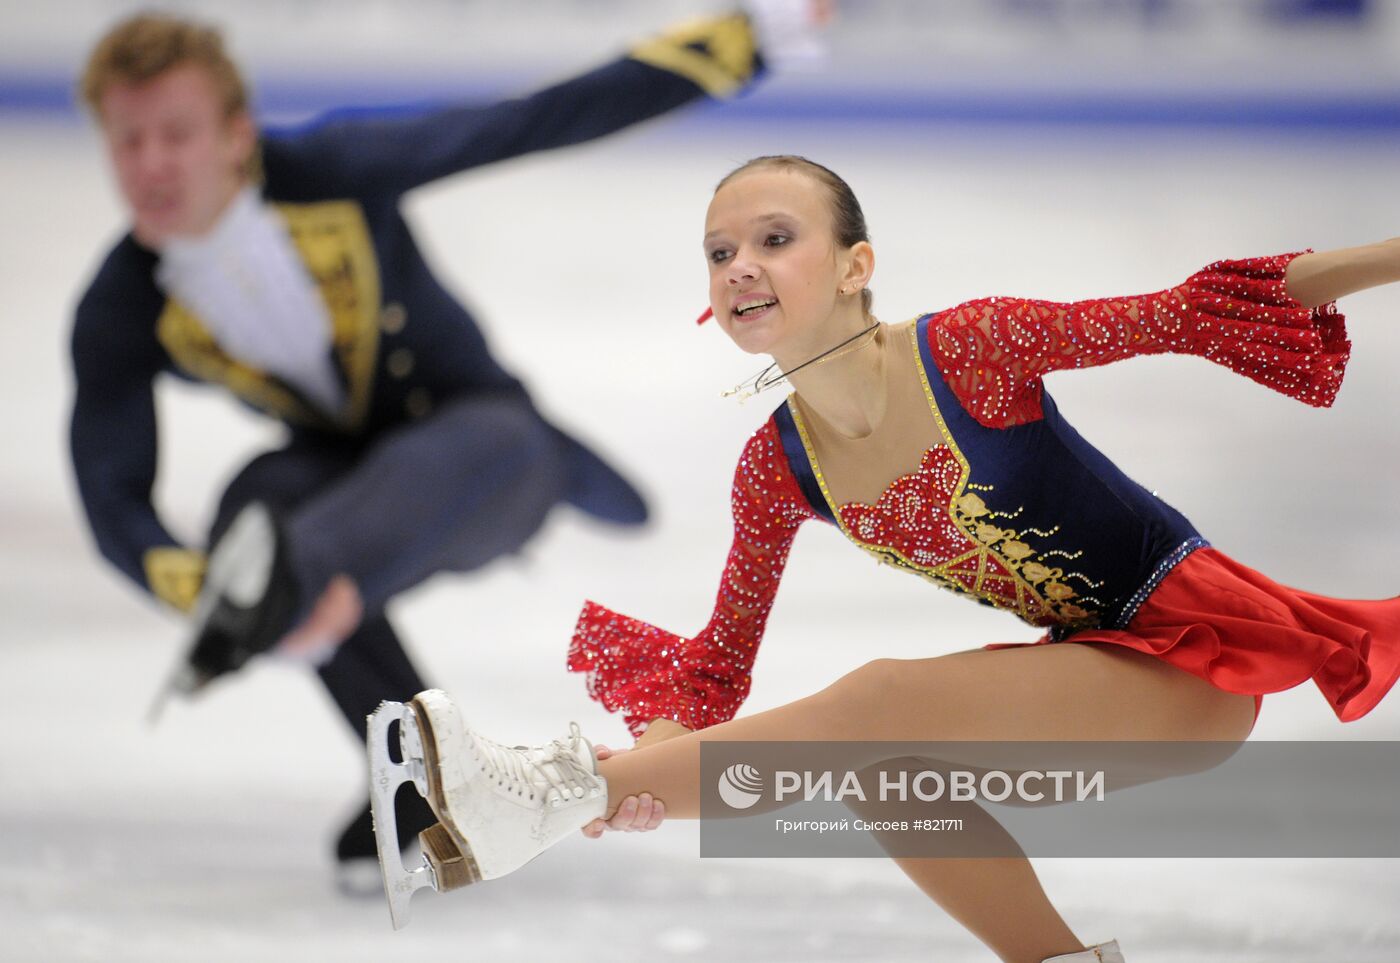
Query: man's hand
(790,31)
(333,619)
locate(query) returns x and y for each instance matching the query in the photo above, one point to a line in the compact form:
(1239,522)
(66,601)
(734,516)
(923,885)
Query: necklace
(762,381)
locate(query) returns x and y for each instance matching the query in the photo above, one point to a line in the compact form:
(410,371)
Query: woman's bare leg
(1064,692)
(999,899)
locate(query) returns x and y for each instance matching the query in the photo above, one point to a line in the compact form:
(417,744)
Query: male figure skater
(278,265)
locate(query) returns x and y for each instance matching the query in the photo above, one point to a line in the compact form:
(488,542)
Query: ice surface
(207,838)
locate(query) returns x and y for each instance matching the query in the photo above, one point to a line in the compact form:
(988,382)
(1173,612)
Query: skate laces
(557,766)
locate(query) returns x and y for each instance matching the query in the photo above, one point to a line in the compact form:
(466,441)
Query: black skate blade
(185,680)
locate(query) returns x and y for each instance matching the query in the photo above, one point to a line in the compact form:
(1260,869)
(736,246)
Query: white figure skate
(1102,953)
(498,807)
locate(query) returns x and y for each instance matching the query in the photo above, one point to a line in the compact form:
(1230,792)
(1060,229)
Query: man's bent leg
(452,492)
(371,665)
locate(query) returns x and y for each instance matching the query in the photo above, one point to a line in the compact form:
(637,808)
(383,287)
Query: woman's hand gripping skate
(636,814)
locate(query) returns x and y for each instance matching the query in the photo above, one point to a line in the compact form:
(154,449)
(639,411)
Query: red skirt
(1243,632)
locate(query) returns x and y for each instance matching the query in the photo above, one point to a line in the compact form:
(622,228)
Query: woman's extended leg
(1058,692)
(1064,692)
(997,899)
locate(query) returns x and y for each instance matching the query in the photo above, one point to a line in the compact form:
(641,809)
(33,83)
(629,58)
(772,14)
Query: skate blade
(385,777)
(185,680)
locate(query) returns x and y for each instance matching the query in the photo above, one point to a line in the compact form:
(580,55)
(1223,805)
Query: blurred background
(1052,148)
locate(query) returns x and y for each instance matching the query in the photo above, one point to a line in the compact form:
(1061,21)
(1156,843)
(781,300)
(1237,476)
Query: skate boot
(498,807)
(1102,953)
(246,603)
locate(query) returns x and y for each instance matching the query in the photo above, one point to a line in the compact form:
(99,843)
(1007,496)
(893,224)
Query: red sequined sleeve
(993,352)
(647,673)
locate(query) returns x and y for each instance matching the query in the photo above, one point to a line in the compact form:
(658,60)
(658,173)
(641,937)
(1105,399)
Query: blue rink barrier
(1363,112)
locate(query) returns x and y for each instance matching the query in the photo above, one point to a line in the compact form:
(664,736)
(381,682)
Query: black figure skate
(246,603)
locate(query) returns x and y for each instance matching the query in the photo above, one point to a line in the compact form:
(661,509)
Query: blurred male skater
(278,265)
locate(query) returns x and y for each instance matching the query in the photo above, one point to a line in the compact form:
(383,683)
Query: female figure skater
(933,445)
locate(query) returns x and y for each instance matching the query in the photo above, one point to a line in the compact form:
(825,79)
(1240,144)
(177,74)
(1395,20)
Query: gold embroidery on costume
(175,575)
(715,53)
(334,243)
(999,567)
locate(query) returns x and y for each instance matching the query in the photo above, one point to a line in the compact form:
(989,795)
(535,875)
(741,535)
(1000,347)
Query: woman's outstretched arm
(1319,277)
(1242,314)
(649,674)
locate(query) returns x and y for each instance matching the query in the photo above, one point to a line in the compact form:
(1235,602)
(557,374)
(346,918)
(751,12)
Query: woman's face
(775,266)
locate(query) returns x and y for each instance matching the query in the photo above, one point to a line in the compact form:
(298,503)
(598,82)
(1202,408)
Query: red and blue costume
(1010,506)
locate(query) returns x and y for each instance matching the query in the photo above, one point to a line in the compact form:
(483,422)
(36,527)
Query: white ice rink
(207,838)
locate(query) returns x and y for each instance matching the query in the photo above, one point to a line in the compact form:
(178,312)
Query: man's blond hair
(147,45)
